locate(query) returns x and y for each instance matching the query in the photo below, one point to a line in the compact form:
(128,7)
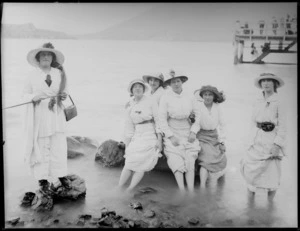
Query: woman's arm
(129,129)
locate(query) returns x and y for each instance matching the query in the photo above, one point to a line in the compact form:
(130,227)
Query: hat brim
(183,79)
(131,84)
(146,78)
(256,81)
(32,60)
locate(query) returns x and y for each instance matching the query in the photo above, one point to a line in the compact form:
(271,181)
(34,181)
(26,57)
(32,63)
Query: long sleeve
(27,91)
(129,129)
(196,109)
(155,116)
(281,133)
(163,117)
(222,125)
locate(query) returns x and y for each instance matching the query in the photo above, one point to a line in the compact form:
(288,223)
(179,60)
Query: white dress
(259,168)
(140,137)
(45,143)
(174,112)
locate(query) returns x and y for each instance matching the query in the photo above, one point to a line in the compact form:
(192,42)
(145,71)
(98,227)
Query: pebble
(193,221)
(149,214)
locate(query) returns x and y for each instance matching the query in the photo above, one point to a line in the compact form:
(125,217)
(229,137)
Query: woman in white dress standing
(180,144)
(211,136)
(142,137)
(261,166)
(45,123)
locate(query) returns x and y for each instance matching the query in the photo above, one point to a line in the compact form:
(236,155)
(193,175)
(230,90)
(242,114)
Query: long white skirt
(140,155)
(54,157)
(258,167)
(186,153)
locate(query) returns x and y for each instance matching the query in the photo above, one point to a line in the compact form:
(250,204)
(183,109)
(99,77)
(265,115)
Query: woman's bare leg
(125,175)
(203,177)
(136,178)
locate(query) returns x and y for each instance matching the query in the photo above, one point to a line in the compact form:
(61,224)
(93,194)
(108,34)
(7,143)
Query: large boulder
(110,154)
(80,146)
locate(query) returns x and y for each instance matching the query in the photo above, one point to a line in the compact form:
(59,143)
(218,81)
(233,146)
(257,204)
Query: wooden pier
(278,39)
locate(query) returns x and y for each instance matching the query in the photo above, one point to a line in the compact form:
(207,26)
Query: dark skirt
(210,156)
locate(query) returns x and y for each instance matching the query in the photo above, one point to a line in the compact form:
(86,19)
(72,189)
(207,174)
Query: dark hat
(219,97)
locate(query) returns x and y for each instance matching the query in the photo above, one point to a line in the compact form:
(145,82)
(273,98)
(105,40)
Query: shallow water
(98,85)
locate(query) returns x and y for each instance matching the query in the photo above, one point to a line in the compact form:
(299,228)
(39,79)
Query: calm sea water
(98,74)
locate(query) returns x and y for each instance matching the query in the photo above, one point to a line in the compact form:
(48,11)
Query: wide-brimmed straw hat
(267,76)
(45,47)
(137,81)
(158,76)
(174,75)
(219,97)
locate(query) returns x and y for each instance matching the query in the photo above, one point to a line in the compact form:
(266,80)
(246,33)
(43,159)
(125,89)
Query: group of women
(172,121)
(190,131)
(187,131)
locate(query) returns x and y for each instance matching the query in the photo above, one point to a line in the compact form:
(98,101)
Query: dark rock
(106,212)
(71,187)
(131,224)
(140,224)
(136,205)
(14,221)
(42,200)
(109,154)
(149,214)
(106,221)
(20,224)
(56,221)
(27,200)
(85,216)
(80,146)
(80,222)
(169,224)
(193,221)
(155,223)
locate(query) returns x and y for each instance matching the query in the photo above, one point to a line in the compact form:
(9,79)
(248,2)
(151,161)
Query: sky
(72,18)
(84,18)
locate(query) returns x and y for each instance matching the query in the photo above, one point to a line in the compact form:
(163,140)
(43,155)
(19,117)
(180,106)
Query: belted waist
(266,126)
(147,121)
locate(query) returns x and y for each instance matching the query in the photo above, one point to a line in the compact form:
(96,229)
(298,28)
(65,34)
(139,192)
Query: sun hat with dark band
(219,97)
(183,78)
(31,56)
(158,76)
(268,76)
(137,81)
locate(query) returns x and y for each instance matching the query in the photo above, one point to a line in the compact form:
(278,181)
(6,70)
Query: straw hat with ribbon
(267,76)
(137,81)
(31,56)
(219,97)
(158,76)
(174,76)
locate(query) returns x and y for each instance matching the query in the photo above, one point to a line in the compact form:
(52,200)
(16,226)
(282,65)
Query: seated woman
(212,158)
(156,82)
(142,135)
(180,144)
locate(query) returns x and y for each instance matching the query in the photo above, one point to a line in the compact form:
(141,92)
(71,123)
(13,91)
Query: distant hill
(30,31)
(188,22)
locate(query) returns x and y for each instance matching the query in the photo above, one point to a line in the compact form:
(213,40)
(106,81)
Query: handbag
(70,111)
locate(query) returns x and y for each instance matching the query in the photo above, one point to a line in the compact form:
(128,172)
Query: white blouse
(49,121)
(177,106)
(212,119)
(137,112)
(270,110)
(156,96)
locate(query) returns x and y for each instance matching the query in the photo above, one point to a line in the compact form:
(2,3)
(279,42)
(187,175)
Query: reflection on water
(223,205)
